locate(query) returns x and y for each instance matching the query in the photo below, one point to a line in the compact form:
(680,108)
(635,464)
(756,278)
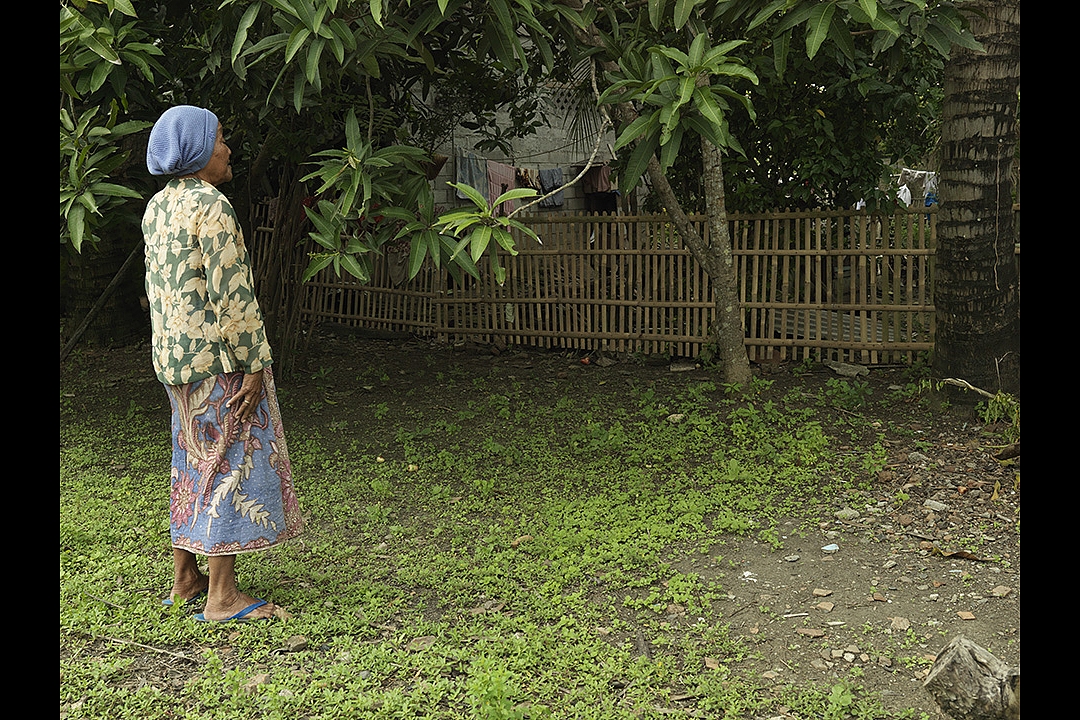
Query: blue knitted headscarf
(181,141)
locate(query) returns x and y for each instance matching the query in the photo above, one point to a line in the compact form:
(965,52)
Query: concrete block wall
(551,147)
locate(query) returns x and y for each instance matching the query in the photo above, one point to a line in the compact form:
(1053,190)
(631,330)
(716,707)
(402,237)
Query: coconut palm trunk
(977,284)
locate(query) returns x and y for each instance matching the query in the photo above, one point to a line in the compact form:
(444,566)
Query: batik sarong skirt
(232,488)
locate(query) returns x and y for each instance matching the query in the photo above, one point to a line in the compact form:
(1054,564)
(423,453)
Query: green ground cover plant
(489,547)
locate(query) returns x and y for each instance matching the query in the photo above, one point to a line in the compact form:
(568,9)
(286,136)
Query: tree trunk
(977,289)
(121,320)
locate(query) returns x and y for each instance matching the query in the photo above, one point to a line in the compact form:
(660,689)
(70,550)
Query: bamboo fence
(838,285)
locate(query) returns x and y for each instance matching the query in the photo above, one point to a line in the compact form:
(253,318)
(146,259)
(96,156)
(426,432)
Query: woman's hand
(246,400)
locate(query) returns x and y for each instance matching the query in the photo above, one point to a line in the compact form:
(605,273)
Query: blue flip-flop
(241,616)
(168,602)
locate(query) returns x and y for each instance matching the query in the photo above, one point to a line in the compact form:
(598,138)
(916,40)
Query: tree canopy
(797,102)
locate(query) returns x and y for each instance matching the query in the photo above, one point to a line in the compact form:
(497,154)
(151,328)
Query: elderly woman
(231,477)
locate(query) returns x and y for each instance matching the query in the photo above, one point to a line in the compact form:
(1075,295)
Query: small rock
(253,682)
(965,615)
(811,632)
(791,558)
(900,623)
(935,506)
(421,643)
(676,418)
(917,458)
(846,514)
(846,369)
(1001,591)
(296,643)
(825,606)
(821,592)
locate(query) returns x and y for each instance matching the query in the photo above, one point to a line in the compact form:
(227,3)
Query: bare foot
(218,609)
(189,587)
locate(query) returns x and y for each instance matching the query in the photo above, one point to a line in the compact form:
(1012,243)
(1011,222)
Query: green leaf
(637,163)
(311,69)
(514,194)
(472,193)
(656,12)
(376,11)
(296,41)
(643,125)
(683,8)
(125,7)
(870,8)
(766,12)
(697,50)
(76,226)
(113,190)
(417,253)
(353,267)
(817,27)
(317,263)
(478,241)
(246,22)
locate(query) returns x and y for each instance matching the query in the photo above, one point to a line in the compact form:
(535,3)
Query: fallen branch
(967,386)
(150,647)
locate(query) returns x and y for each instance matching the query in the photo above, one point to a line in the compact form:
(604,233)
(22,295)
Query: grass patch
(523,552)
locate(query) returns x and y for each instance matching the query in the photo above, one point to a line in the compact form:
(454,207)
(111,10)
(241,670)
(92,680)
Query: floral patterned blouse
(203,310)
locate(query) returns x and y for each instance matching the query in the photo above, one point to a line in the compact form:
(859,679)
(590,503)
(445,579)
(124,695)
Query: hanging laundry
(597,179)
(904,195)
(472,171)
(549,180)
(500,179)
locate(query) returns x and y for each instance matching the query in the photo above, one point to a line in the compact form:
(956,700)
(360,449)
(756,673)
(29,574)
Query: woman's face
(218,170)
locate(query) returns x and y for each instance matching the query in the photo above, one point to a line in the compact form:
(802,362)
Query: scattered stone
(825,606)
(819,664)
(905,520)
(791,558)
(917,458)
(878,597)
(296,643)
(676,418)
(935,506)
(420,643)
(1001,591)
(965,615)
(682,366)
(821,592)
(846,514)
(254,682)
(770,675)
(889,564)
(811,632)
(846,369)
(900,624)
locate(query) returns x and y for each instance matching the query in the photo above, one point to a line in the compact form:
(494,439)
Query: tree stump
(969,683)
